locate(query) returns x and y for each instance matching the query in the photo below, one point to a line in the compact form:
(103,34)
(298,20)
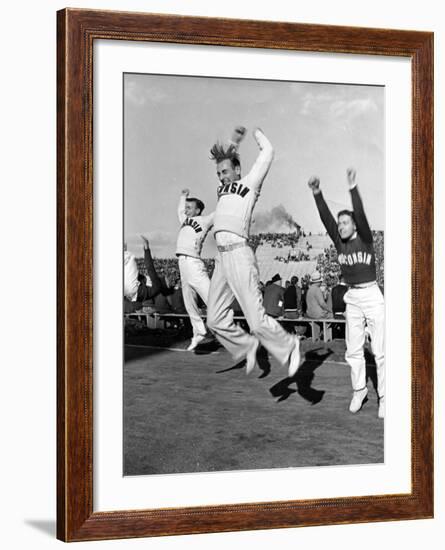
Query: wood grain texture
(76,32)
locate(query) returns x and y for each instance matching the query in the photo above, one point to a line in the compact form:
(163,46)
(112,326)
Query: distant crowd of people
(299,256)
(277,240)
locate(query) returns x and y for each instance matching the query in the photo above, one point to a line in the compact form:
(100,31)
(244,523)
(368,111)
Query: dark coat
(274,300)
(292,297)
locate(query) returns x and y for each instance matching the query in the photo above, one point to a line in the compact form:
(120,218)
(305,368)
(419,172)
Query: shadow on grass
(207,347)
(263,363)
(238,366)
(149,342)
(303,379)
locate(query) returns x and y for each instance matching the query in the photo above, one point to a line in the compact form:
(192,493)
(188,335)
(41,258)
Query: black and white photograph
(253,274)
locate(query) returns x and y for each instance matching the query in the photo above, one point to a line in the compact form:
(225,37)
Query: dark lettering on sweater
(360,257)
(356,256)
(233,188)
(193,224)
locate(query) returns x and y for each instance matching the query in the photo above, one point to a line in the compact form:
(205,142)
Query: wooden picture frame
(77,31)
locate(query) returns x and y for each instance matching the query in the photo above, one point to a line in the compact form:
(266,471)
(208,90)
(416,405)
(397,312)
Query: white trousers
(236,275)
(365,306)
(195,281)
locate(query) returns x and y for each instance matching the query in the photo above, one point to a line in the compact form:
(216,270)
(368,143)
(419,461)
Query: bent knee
(212,322)
(215,319)
(354,354)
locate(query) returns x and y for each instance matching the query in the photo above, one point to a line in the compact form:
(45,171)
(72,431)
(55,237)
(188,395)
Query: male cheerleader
(236,271)
(352,238)
(194,278)
(136,289)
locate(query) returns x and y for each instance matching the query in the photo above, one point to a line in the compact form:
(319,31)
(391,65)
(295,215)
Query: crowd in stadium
(279,240)
(327,263)
(297,256)
(170,297)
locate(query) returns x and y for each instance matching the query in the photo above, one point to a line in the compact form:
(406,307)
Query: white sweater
(131,282)
(193,231)
(237,200)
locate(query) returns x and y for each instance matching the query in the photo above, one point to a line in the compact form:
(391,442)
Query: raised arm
(262,164)
(151,271)
(181,206)
(325,214)
(361,220)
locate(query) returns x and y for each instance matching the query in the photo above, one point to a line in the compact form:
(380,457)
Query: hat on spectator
(315,277)
(276,277)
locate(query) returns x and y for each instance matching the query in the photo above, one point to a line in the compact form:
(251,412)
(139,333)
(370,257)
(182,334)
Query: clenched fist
(185,192)
(351,174)
(238,135)
(314,184)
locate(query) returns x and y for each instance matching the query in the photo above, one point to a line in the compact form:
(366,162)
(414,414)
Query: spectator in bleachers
(338,304)
(160,303)
(274,297)
(326,295)
(317,307)
(304,289)
(292,299)
(176,299)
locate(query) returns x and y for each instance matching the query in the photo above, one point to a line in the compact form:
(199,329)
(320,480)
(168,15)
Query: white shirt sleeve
(131,282)
(181,209)
(264,160)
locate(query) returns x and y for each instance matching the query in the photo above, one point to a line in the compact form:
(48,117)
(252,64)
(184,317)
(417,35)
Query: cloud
(335,103)
(276,219)
(139,93)
(351,109)
(311,102)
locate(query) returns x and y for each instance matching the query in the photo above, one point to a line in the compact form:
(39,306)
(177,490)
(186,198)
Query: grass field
(198,412)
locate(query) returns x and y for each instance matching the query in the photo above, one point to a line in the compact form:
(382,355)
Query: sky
(171,122)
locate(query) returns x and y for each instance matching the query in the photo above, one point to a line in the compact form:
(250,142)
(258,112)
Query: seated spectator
(292,297)
(274,297)
(176,300)
(160,303)
(317,307)
(338,304)
(327,296)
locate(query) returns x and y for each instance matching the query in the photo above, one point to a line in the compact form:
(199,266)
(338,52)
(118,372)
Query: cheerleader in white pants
(365,306)
(194,277)
(236,271)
